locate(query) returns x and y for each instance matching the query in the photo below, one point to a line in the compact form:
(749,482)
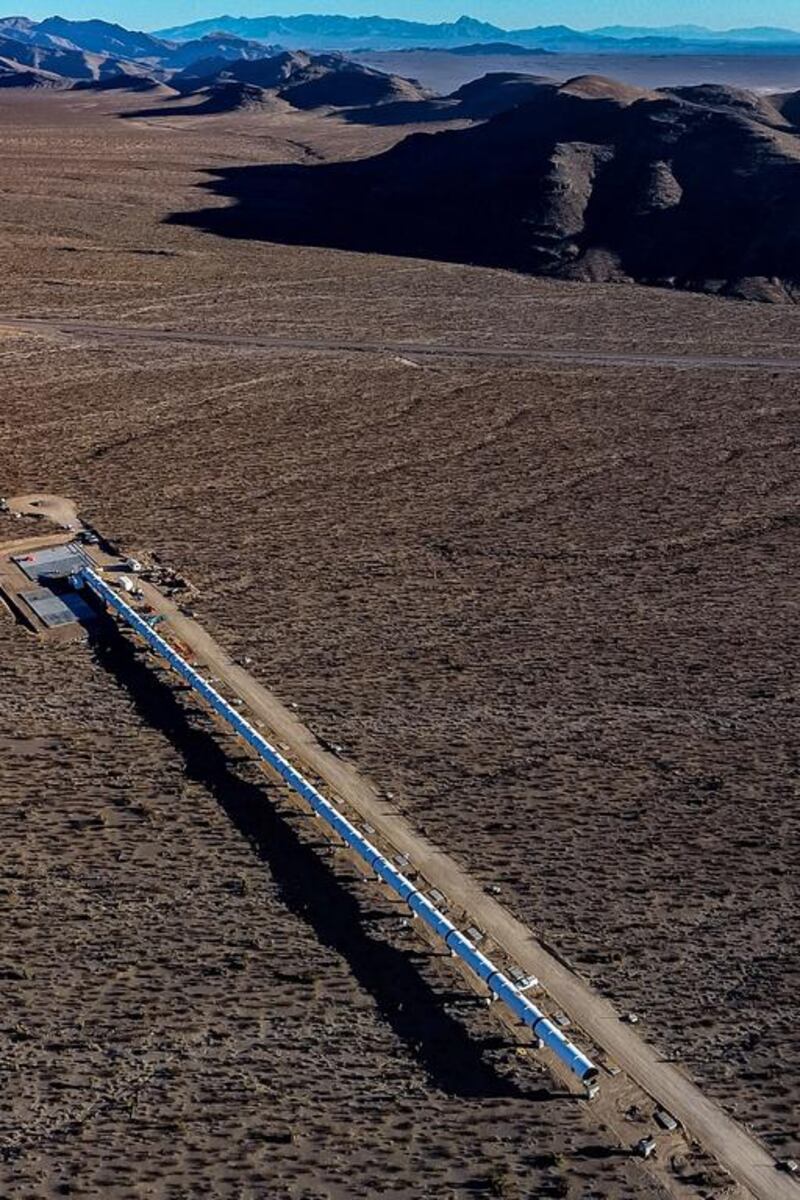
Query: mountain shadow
(310,888)
(590,180)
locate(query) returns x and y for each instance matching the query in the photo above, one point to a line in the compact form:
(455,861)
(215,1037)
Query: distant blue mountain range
(244,37)
(336,32)
(699,33)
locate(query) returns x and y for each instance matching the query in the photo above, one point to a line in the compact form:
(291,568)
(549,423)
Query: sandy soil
(193,1006)
(549,609)
(54,510)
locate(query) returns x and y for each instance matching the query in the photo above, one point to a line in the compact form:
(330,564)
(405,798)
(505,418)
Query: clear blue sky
(581,14)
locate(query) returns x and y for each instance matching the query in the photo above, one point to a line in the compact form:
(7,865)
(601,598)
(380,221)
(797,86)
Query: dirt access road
(746,1160)
(597,358)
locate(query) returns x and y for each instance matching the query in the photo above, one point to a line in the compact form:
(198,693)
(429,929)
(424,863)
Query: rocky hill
(123,83)
(17,75)
(305,80)
(66,62)
(592,180)
(481,49)
(478,100)
(101,37)
(207,66)
(232,95)
(588,180)
(114,41)
(219,47)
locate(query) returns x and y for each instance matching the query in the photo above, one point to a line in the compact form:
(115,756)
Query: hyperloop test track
(498,984)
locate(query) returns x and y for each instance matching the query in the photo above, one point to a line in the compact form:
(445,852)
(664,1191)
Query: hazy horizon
(717,15)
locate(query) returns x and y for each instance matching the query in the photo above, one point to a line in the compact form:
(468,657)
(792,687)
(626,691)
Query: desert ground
(548,606)
(444,72)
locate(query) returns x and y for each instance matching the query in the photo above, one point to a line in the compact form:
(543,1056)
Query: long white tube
(495,980)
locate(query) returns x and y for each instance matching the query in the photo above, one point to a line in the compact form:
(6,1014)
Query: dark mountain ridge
(476,49)
(168,48)
(589,180)
(477,100)
(14,74)
(303,80)
(101,37)
(114,41)
(217,46)
(96,50)
(337,32)
(754,35)
(65,62)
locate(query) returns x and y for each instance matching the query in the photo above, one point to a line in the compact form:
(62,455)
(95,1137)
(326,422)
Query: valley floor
(549,607)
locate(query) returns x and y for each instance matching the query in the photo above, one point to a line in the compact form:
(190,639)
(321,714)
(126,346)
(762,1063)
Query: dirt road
(596,358)
(746,1160)
(25,545)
